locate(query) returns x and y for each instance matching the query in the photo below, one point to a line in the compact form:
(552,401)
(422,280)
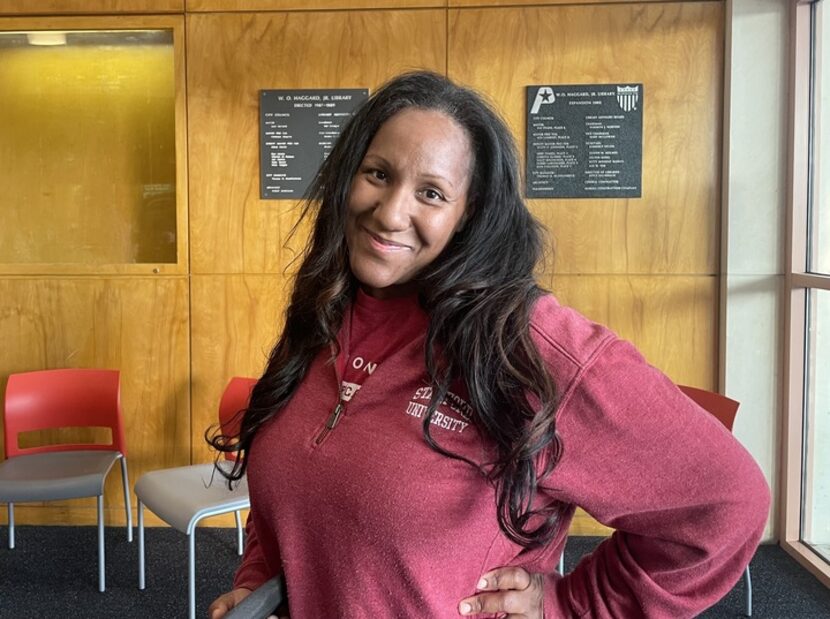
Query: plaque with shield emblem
(584,141)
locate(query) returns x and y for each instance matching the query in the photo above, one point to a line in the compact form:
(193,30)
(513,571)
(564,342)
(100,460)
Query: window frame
(798,282)
(176,24)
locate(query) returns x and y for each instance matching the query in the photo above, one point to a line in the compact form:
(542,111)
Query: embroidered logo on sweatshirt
(454,417)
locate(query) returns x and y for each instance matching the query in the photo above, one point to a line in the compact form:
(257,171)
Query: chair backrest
(70,398)
(234,400)
(718,405)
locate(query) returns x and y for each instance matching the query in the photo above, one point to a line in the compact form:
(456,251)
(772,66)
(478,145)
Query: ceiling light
(49,37)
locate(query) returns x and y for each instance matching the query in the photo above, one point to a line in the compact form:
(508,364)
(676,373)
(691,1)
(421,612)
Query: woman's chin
(384,290)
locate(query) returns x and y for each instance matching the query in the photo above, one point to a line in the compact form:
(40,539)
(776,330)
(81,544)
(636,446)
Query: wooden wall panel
(672,320)
(306,5)
(505,3)
(231,58)
(136,325)
(675,50)
(86,7)
(236,319)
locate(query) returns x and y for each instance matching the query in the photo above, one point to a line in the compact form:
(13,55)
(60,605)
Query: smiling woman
(407,200)
(430,417)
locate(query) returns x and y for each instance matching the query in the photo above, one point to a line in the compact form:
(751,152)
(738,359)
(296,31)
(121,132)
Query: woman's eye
(377,174)
(432,194)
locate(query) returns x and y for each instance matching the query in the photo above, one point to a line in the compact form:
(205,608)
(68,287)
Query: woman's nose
(392,210)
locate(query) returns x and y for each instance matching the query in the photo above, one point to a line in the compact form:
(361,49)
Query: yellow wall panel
(136,325)
(65,7)
(584,524)
(504,3)
(675,51)
(305,5)
(236,320)
(231,58)
(671,319)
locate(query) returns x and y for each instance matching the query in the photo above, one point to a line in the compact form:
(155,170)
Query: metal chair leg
(11,524)
(748,579)
(125,479)
(240,542)
(191,574)
(101,575)
(140,544)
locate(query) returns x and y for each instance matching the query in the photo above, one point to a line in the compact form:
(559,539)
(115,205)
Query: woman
(430,418)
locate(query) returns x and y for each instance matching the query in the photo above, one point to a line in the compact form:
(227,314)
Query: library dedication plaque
(298,129)
(584,141)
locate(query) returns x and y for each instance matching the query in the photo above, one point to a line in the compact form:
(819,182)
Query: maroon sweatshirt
(366,520)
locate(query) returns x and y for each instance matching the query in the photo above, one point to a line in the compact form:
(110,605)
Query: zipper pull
(334,418)
(331,422)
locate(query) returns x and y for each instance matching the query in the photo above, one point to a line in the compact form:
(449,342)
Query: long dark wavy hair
(478,294)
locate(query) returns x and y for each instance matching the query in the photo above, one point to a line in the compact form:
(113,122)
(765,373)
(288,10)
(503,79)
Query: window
(818,233)
(90,146)
(815,495)
(806,514)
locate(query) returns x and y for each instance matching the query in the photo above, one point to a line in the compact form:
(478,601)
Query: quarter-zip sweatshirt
(369,521)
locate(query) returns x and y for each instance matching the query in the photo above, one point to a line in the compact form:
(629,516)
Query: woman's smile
(382,244)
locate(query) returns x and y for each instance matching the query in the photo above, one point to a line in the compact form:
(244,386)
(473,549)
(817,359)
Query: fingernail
(482,584)
(465,608)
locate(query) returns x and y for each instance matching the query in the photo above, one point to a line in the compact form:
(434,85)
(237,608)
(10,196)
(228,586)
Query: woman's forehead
(428,141)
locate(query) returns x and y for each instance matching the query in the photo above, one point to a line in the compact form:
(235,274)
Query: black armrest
(262,602)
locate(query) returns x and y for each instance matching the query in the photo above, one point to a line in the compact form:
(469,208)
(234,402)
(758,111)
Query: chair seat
(55,475)
(184,495)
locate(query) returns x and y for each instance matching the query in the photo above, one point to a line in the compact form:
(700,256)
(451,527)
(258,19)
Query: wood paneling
(236,320)
(672,320)
(306,5)
(584,524)
(505,3)
(64,7)
(232,57)
(675,50)
(136,325)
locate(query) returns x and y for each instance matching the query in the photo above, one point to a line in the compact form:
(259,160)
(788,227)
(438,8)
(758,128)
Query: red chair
(724,409)
(52,399)
(185,495)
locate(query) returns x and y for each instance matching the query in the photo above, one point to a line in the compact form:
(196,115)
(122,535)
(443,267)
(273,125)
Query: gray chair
(262,602)
(184,496)
(53,399)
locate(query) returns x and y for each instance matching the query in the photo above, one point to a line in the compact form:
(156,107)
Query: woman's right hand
(226,601)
